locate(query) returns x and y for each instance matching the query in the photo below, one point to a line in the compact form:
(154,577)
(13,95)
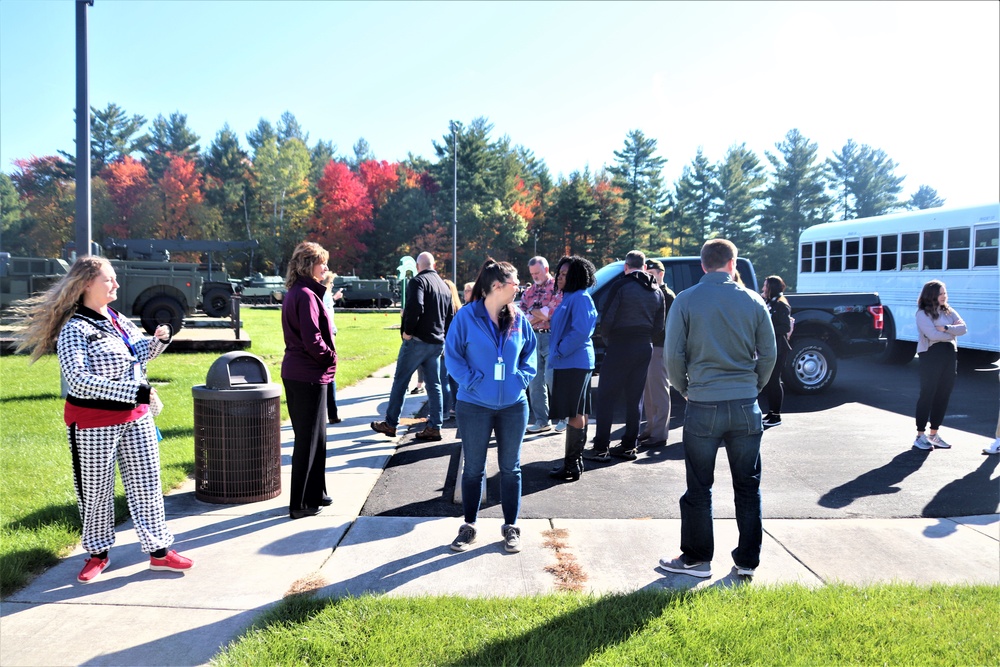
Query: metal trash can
(237,432)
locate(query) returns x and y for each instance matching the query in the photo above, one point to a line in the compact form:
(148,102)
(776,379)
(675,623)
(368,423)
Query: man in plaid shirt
(539,302)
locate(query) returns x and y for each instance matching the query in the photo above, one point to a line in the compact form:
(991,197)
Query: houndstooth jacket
(96,362)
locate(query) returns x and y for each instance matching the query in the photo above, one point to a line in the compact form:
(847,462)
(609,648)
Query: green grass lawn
(39,521)
(750,625)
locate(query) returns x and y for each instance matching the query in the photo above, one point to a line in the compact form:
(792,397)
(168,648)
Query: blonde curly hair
(306,255)
(46,314)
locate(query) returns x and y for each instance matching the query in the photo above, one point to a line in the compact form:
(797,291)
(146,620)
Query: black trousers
(774,391)
(307,410)
(938,367)
(623,375)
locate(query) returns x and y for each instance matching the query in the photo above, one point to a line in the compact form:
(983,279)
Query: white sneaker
(560,426)
(938,442)
(922,442)
(994,448)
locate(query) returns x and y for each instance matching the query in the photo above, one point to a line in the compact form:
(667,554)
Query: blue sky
(920,80)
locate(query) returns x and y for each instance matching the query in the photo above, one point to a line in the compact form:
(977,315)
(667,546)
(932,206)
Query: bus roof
(903,221)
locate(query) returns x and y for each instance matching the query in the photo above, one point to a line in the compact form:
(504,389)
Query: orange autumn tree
(129,188)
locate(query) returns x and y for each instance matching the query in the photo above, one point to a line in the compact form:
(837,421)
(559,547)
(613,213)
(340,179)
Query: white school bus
(896,254)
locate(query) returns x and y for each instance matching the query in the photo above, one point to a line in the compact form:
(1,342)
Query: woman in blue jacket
(490,351)
(571,358)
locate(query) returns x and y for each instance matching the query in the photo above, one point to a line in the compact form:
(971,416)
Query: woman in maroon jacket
(309,365)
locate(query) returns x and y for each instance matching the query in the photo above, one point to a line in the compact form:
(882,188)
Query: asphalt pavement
(845,499)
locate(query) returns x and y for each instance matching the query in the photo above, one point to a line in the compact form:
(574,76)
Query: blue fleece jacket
(572,325)
(470,353)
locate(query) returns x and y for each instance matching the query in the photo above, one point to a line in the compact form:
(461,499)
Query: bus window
(934,250)
(958,248)
(820,257)
(890,244)
(851,256)
(836,255)
(909,257)
(986,246)
(869,253)
(807,258)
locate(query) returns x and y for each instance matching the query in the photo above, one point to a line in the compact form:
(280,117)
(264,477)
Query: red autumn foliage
(36,175)
(344,215)
(381,179)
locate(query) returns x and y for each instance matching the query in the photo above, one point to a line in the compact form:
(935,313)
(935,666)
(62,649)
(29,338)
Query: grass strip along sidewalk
(882,624)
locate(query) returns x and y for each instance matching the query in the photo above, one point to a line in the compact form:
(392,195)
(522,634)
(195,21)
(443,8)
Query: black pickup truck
(827,326)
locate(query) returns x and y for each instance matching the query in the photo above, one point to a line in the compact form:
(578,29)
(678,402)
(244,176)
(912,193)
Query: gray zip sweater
(720,342)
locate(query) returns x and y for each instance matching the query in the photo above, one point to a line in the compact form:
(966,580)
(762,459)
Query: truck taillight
(876,312)
(188,284)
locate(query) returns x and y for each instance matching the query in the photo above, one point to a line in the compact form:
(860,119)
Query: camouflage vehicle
(261,289)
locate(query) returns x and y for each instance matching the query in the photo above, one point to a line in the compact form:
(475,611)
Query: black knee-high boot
(572,467)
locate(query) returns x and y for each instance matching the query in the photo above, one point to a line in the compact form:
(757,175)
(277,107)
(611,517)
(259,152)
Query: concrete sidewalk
(248,557)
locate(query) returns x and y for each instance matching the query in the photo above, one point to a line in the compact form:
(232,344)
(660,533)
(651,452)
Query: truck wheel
(216,302)
(162,310)
(811,368)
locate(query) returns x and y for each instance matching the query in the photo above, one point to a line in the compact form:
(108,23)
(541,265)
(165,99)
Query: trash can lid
(237,370)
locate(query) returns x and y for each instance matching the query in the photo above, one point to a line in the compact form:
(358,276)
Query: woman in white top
(939,325)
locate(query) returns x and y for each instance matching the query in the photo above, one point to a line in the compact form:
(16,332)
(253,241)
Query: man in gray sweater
(720,349)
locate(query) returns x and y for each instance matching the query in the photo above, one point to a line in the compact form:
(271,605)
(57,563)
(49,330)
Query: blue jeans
(476,423)
(707,426)
(413,354)
(538,389)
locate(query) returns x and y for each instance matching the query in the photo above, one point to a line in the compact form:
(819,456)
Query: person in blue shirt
(490,351)
(571,358)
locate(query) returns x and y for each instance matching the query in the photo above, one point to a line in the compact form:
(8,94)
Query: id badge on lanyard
(498,370)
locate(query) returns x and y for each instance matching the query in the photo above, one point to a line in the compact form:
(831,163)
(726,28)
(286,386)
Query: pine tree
(227,182)
(865,180)
(637,172)
(289,128)
(795,199)
(690,223)
(739,187)
(169,136)
(925,197)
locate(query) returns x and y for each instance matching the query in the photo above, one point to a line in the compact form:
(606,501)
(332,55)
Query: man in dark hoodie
(632,314)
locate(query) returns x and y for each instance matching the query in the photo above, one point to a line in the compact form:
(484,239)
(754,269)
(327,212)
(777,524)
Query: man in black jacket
(427,312)
(632,314)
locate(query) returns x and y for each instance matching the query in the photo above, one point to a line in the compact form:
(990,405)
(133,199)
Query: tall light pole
(82,132)
(454,205)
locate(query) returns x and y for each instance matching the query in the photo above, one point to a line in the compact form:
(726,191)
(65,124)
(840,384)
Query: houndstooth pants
(134,446)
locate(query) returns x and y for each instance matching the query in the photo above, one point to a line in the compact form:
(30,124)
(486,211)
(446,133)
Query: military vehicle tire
(160,310)
(216,302)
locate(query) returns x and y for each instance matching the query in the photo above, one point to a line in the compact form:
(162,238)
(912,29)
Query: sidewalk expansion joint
(796,558)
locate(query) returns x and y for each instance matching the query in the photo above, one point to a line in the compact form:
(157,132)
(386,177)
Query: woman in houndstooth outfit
(103,358)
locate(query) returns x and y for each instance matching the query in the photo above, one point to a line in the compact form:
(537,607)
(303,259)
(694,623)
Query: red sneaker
(92,569)
(172,562)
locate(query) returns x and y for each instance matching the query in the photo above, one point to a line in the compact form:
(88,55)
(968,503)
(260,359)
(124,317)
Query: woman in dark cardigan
(781,320)
(308,367)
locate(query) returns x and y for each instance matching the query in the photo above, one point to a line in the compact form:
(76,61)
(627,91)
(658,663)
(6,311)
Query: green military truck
(362,293)
(154,292)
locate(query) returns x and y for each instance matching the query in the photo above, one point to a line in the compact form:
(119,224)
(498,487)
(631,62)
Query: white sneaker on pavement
(994,448)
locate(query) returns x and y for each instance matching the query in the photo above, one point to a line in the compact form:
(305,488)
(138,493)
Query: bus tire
(811,367)
(217,302)
(162,310)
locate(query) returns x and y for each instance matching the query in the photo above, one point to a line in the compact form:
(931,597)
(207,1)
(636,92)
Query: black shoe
(326,501)
(624,452)
(597,455)
(304,512)
(335,420)
(772,420)
(565,473)
(650,444)
(384,429)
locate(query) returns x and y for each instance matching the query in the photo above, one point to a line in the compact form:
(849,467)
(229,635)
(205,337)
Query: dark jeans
(938,366)
(476,423)
(736,425)
(623,374)
(307,410)
(414,354)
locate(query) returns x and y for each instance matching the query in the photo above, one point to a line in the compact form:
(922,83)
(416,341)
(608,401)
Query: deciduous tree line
(368,212)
